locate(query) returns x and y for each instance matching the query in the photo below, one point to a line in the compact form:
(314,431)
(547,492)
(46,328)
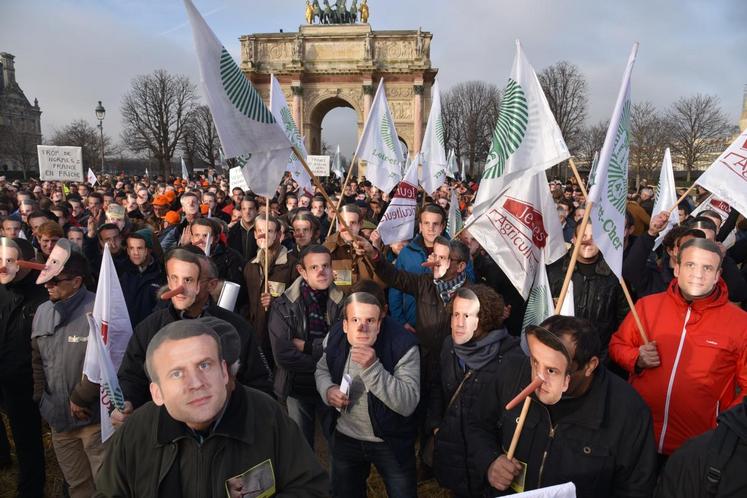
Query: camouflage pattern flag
(379,145)
(608,181)
(246,127)
(526,138)
(284,119)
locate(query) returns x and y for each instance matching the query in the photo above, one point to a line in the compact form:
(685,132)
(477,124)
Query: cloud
(70,54)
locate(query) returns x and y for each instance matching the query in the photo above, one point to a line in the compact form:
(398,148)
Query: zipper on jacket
(551,436)
(671,381)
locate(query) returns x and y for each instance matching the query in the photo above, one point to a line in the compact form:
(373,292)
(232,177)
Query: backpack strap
(720,449)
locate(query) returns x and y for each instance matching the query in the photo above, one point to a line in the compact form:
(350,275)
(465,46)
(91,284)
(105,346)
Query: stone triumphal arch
(322,67)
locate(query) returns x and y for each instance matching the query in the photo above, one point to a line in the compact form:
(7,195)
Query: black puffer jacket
(18,303)
(604,443)
(597,294)
(451,463)
(254,371)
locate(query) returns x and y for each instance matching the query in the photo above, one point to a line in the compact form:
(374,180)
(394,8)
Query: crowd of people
(403,356)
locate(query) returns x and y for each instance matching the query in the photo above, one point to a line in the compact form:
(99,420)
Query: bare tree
(470,112)
(565,90)
(697,125)
(649,136)
(21,147)
(82,134)
(201,137)
(155,113)
(590,142)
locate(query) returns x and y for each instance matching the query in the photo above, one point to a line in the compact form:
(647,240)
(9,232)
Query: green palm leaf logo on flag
(536,311)
(241,92)
(617,182)
(440,131)
(513,115)
(386,131)
(290,127)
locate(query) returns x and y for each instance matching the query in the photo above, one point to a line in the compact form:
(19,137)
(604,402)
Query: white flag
(452,167)
(398,222)
(185,173)
(540,306)
(435,165)
(379,145)
(92,177)
(526,138)
(146,173)
(727,176)
(455,221)
(666,196)
(568,308)
(245,125)
(113,324)
(608,182)
(714,204)
(567,490)
(520,229)
(337,165)
(284,118)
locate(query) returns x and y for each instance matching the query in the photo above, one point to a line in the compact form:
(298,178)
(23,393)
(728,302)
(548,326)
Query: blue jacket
(402,306)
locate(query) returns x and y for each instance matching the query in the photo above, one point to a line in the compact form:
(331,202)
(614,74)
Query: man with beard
(19,299)
(583,425)
(192,276)
(597,294)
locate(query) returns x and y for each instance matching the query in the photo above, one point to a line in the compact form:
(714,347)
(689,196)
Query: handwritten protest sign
(319,165)
(60,163)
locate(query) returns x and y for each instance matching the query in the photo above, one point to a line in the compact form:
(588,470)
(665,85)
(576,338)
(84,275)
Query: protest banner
(62,163)
(236,179)
(319,165)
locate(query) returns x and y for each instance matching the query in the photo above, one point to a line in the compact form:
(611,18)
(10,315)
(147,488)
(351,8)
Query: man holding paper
(584,424)
(377,423)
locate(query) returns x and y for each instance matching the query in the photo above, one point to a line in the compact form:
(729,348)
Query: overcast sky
(72,53)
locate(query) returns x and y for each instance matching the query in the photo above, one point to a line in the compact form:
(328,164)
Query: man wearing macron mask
(583,425)
(19,299)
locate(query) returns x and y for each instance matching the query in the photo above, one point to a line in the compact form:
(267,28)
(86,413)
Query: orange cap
(161,201)
(172,217)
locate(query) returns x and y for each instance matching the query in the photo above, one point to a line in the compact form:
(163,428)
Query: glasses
(54,281)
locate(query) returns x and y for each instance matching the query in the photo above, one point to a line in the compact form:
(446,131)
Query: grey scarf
(477,354)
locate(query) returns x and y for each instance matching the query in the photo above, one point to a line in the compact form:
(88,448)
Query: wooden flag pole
(320,187)
(342,192)
(519,427)
(624,286)
(574,257)
(637,318)
(682,197)
(267,248)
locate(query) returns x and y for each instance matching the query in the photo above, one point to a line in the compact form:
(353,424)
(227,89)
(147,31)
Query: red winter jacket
(703,351)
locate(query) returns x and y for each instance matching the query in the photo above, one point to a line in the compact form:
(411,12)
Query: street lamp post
(100,113)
